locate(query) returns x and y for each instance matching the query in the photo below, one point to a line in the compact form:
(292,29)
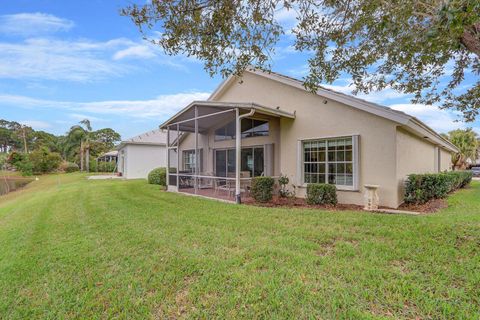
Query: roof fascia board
(125,143)
(225,83)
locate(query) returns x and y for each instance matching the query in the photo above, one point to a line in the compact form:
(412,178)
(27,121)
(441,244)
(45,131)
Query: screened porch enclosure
(206,141)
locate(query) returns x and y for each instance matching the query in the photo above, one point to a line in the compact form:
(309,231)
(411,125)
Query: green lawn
(72,248)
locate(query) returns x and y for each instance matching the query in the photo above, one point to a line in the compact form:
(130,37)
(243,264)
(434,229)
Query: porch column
(195,179)
(168,156)
(178,157)
(238,148)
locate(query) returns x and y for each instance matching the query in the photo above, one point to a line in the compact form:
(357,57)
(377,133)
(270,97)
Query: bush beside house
(158,176)
(106,167)
(321,193)
(262,188)
(421,188)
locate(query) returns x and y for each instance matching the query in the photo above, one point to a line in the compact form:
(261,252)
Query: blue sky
(63,61)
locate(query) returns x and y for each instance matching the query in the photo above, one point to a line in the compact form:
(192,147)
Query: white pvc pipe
(238,150)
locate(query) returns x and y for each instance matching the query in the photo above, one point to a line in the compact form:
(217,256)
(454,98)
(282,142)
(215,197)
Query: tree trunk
(25,140)
(81,156)
(471,39)
(87,158)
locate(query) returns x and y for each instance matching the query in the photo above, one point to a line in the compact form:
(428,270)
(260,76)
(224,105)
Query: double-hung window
(332,160)
(189,160)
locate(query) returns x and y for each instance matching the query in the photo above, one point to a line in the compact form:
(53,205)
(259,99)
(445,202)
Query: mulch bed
(279,202)
(301,203)
(429,207)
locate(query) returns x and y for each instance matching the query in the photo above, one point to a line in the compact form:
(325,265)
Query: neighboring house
(139,155)
(110,156)
(327,137)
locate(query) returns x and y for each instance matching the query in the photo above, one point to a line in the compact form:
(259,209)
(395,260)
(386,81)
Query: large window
(226,132)
(254,128)
(252,161)
(250,128)
(330,161)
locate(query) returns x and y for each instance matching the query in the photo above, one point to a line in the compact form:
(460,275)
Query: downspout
(238,149)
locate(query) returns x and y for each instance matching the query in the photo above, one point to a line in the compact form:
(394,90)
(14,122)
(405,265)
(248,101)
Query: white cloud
(36,124)
(160,108)
(436,118)
(136,51)
(80,61)
(376,96)
(287,17)
(80,117)
(50,59)
(28,24)
(299,72)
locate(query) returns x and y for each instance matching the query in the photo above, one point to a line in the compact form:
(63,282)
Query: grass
(72,248)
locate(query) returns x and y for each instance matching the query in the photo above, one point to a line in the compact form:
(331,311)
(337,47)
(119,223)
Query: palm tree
(80,137)
(467,143)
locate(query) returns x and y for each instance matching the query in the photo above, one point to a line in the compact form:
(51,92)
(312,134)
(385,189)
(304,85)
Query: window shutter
(356,160)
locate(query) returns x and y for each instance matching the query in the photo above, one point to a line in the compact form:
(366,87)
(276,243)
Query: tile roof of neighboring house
(153,137)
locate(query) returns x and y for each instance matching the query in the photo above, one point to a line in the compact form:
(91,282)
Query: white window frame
(355,162)
(200,156)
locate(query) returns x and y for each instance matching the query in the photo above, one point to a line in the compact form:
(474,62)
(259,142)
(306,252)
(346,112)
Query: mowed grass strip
(73,248)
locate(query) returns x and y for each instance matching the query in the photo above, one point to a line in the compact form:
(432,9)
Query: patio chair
(228,185)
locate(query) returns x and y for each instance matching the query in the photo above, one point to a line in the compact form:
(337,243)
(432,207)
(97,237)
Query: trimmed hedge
(262,188)
(420,188)
(321,193)
(158,176)
(106,166)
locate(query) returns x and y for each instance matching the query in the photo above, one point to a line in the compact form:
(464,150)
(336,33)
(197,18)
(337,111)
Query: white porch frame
(171,125)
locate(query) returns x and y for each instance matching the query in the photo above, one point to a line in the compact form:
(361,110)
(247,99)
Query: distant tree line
(32,151)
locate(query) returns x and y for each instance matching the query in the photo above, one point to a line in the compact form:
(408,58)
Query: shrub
(3,159)
(262,188)
(69,167)
(106,166)
(44,161)
(283,182)
(14,157)
(158,176)
(21,162)
(420,188)
(321,193)
(25,167)
(92,165)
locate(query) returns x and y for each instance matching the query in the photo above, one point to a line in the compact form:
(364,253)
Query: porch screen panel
(173,156)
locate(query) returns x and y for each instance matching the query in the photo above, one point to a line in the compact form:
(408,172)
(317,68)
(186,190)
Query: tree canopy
(99,141)
(418,47)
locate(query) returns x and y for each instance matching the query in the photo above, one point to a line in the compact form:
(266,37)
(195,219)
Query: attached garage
(139,155)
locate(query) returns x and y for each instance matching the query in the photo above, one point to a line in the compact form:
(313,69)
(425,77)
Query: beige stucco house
(271,125)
